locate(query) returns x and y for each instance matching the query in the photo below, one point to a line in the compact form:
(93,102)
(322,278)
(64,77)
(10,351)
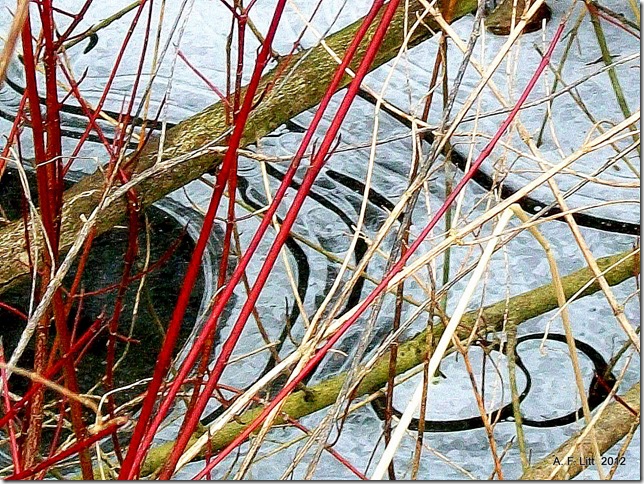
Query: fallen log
(571,458)
(293,86)
(412,352)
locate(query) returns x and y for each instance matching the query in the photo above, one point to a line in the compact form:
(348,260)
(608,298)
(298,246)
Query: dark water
(170,249)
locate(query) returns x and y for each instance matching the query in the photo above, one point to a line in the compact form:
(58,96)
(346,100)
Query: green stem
(608,60)
(516,403)
(411,353)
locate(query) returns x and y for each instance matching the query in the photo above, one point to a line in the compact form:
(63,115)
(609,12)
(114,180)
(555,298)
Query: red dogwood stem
(136,452)
(321,353)
(257,238)
(194,413)
(76,448)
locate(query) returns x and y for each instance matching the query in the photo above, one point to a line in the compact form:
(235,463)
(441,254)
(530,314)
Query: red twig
(13,310)
(88,111)
(135,453)
(53,173)
(31,90)
(80,446)
(15,129)
(49,181)
(13,444)
(207,81)
(51,372)
(62,406)
(113,324)
(329,448)
(320,354)
(594,10)
(117,62)
(77,18)
(230,220)
(257,237)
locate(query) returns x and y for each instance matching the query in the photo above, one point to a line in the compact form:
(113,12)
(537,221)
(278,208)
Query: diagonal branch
(572,457)
(293,86)
(411,353)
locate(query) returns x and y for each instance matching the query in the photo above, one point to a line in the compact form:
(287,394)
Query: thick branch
(412,352)
(289,89)
(614,424)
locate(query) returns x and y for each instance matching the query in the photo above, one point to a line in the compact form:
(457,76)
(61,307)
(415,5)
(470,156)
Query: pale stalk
(441,348)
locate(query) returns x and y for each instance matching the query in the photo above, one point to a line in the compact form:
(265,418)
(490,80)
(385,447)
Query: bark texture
(412,353)
(570,459)
(293,86)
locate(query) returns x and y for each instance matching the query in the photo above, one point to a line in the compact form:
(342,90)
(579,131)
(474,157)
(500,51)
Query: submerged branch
(571,457)
(296,84)
(411,353)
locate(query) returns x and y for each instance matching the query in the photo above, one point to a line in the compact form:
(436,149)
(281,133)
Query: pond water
(325,220)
